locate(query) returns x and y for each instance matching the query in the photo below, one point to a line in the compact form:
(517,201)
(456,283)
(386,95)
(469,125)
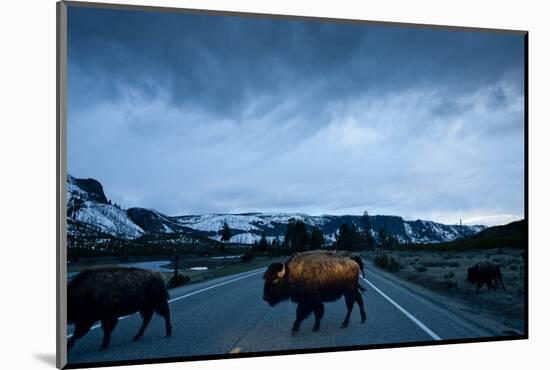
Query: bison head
(275,284)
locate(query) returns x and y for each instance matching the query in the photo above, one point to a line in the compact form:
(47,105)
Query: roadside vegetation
(445,273)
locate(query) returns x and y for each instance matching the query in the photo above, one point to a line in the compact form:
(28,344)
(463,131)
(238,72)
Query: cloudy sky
(195,114)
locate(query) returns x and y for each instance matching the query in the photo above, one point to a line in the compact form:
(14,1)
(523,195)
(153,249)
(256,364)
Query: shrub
(513,267)
(450,284)
(450,275)
(247,256)
(381,261)
(388,263)
(178,280)
(434,264)
(393,265)
(454,264)
(421,268)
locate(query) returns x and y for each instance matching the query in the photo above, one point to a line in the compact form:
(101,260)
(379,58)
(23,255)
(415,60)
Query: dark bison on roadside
(485,273)
(109,293)
(311,278)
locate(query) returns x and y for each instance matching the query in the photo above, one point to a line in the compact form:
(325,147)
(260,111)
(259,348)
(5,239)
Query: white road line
(256,272)
(215,286)
(405,312)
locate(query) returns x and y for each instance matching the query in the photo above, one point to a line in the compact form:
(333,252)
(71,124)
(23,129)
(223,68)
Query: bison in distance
(109,293)
(312,278)
(485,273)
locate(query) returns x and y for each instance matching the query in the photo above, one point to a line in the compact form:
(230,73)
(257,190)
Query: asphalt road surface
(228,315)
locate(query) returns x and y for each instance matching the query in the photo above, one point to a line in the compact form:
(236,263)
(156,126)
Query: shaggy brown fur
(342,253)
(109,293)
(311,278)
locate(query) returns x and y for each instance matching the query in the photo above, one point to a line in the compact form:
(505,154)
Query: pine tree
(382,239)
(225,236)
(317,238)
(349,238)
(289,234)
(300,238)
(263,243)
(367,234)
(365,220)
(225,232)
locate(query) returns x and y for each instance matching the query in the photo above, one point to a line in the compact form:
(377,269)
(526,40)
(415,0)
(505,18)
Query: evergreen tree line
(351,237)
(298,238)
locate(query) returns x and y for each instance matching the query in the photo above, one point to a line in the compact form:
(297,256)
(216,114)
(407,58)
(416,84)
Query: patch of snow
(108,219)
(226,257)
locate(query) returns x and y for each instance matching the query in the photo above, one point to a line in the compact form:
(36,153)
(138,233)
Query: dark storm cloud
(245,114)
(220,63)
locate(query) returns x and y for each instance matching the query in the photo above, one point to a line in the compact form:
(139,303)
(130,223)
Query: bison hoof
(363,320)
(102,348)
(294,333)
(168,335)
(315,330)
(136,338)
(344,325)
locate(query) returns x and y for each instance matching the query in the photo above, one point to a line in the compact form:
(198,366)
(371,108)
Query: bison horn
(281,273)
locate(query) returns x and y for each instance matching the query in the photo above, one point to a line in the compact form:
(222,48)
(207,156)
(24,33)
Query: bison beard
(311,278)
(485,273)
(109,293)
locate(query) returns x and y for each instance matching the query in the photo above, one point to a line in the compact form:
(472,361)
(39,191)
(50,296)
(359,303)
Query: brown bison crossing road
(228,315)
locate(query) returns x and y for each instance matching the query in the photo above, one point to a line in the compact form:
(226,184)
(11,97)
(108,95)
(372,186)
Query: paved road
(228,315)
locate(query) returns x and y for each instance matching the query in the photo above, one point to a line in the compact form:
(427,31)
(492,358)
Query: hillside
(90,214)
(512,235)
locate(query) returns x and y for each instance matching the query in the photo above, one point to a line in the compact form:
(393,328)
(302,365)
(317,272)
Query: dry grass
(445,273)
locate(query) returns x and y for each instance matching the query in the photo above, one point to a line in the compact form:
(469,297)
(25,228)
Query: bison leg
(81,328)
(359,301)
(501,282)
(498,277)
(302,311)
(479,284)
(108,325)
(349,304)
(146,314)
(164,311)
(318,311)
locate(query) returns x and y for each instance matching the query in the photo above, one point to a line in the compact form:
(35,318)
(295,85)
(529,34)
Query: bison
(109,293)
(351,255)
(485,273)
(312,278)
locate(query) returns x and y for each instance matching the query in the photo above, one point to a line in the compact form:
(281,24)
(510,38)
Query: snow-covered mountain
(89,209)
(249,227)
(88,206)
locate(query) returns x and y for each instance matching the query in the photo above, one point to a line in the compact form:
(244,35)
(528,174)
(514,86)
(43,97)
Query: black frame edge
(283,16)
